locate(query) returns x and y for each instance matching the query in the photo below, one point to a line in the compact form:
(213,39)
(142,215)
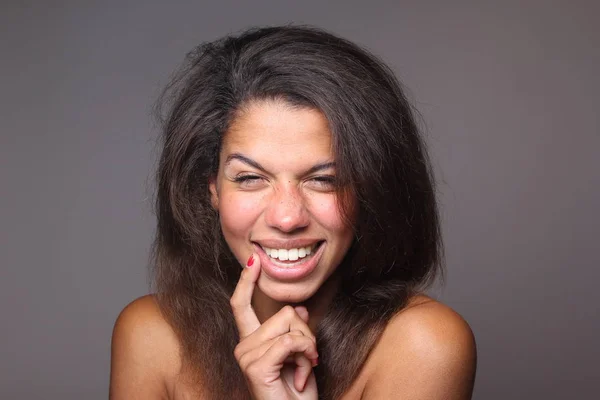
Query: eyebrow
(254,164)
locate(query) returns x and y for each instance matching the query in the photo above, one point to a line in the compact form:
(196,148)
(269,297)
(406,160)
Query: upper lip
(286,244)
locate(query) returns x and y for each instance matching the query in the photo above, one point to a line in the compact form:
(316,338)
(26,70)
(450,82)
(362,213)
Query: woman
(292,155)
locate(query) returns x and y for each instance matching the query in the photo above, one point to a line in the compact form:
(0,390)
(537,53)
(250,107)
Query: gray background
(509,92)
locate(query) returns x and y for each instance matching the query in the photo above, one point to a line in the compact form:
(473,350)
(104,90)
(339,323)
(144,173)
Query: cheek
(325,210)
(238,214)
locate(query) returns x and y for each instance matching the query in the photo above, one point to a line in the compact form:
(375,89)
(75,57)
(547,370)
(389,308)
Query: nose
(286,210)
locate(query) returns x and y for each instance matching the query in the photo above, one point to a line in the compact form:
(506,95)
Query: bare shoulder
(427,351)
(144,352)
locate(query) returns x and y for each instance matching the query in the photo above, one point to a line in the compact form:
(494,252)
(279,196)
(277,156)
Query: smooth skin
(426,352)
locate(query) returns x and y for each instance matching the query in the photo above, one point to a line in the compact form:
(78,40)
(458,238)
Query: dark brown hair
(381,162)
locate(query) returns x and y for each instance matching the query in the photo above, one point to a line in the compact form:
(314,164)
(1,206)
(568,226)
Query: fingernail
(250,261)
(315,361)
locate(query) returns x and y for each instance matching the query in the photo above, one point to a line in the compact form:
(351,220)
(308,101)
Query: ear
(214,195)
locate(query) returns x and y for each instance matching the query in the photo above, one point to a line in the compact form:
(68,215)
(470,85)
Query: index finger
(241,300)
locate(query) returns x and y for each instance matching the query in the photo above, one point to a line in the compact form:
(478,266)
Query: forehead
(274,126)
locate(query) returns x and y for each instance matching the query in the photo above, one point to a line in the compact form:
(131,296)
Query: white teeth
(283,254)
(288,254)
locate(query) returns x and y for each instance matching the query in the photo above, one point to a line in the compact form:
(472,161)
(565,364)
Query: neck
(317,305)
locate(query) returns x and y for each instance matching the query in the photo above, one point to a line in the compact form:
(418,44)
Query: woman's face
(275,194)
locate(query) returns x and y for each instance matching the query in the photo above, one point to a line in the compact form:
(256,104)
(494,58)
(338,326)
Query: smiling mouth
(291,254)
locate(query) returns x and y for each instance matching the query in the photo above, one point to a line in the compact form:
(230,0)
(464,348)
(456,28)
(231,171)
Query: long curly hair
(381,163)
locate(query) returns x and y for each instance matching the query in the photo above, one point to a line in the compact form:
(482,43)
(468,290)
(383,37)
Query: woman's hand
(276,357)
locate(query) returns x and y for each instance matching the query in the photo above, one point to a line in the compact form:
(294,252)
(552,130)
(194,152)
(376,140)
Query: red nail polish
(250,261)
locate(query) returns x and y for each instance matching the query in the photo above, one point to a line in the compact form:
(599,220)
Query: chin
(286,292)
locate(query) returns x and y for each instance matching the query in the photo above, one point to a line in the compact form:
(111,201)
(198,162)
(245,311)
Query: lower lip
(293,272)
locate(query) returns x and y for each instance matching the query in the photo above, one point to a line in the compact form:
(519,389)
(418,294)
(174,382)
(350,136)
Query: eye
(248,181)
(324,183)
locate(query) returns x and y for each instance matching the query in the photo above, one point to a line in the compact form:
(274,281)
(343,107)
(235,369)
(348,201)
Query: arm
(427,352)
(143,353)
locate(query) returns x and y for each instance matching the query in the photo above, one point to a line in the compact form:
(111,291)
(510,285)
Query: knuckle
(237,352)
(288,311)
(308,344)
(243,361)
(233,302)
(287,340)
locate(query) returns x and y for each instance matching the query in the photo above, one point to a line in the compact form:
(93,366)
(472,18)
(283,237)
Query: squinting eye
(324,182)
(248,181)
